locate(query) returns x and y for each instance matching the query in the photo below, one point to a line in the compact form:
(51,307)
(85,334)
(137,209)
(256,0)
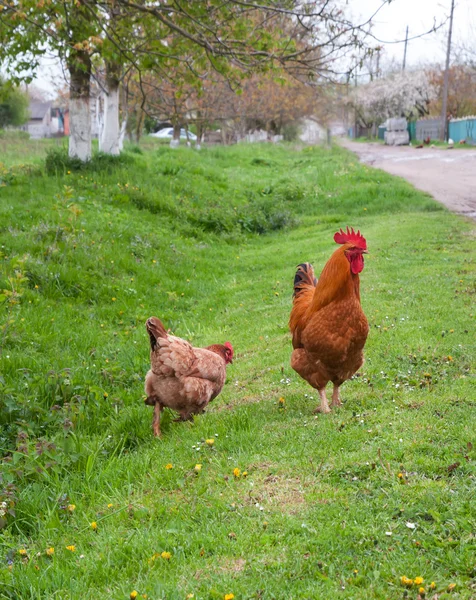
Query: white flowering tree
(407,94)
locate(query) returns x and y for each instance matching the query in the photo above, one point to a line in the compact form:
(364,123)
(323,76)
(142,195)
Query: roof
(39,109)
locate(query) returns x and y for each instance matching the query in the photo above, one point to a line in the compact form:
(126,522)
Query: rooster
(182,377)
(328,325)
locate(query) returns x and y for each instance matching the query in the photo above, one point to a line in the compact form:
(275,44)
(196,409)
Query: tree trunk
(110,140)
(199,126)
(139,124)
(175,141)
(79,66)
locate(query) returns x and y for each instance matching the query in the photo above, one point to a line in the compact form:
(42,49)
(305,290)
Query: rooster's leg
(156,421)
(324,406)
(336,397)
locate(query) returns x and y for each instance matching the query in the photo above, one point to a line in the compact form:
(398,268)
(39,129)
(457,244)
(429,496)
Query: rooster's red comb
(352,237)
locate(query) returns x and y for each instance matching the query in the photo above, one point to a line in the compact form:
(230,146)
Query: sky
(391,22)
(389,25)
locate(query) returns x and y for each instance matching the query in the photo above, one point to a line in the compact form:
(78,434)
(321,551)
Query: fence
(428,129)
(458,130)
(463,129)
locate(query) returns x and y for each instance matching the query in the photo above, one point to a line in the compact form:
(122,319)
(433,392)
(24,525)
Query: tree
(231,37)
(461,91)
(174,47)
(13,105)
(67,28)
(407,94)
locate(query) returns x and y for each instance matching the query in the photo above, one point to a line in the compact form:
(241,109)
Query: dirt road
(448,175)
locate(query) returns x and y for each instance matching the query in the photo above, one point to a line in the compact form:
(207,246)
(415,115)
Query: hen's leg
(336,401)
(324,406)
(156,421)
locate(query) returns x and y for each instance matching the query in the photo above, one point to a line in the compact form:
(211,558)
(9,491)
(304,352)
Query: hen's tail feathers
(304,278)
(155,329)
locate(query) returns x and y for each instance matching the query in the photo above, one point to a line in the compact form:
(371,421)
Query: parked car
(168,132)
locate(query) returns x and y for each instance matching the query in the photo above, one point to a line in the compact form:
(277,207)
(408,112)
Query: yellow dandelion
(421,591)
(22,552)
(166,555)
(110,505)
(188,596)
(36,287)
(236,472)
(244,474)
(210,442)
(400,475)
(50,551)
(449,358)
(71,507)
(197,468)
(133,595)
(105,395)
(229,596)
(432,585)
(94,525)
(282,401)
(418,580)
(154,557)
(169,466)
(71,548)
(451,587)
(406,581)
(113,299)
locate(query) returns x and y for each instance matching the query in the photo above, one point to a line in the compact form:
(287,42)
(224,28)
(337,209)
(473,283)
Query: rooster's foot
(322,409)
(336,401)
(324,405)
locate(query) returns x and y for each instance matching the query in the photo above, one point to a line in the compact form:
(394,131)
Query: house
(39,124)
(312,132)
(45,121)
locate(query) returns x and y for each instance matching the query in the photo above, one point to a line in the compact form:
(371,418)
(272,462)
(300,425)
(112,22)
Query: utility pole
(444,103)
(405,51)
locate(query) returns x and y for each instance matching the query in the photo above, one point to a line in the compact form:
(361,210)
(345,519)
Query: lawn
(331,506)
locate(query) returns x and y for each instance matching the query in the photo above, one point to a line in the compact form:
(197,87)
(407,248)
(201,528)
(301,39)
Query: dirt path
(448,175)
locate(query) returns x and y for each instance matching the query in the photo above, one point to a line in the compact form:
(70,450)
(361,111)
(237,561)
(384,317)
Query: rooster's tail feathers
(304,277)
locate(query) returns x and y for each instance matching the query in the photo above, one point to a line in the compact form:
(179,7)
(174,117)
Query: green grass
(208,241)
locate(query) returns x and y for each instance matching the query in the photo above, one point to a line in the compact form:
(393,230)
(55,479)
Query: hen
(182,377)
(328,325)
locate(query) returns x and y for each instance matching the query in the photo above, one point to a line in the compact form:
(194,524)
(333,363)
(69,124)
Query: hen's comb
(352,237)
(229,346)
